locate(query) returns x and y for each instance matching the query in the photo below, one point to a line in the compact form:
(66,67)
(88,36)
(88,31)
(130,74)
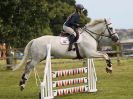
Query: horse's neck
(96,31)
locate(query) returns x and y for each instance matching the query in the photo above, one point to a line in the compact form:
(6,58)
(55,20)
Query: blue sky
(119,11)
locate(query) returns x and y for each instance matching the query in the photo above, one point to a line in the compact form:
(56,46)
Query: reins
(101,34)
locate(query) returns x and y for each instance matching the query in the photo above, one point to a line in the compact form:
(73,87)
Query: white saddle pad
(65,41)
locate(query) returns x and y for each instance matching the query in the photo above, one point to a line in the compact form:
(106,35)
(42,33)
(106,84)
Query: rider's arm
(74,20)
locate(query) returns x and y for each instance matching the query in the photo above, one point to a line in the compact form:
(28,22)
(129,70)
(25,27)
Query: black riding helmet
(79,7)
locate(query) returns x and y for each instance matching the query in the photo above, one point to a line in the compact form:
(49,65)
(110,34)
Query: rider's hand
(78,25)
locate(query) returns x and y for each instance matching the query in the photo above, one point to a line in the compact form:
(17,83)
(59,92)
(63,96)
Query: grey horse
(87,43)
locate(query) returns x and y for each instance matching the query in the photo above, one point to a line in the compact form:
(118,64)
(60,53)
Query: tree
(58,13)
(23,20)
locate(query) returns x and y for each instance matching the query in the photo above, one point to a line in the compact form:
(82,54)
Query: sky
(120,12)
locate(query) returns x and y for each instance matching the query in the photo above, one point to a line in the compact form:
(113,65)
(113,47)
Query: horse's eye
(111,29)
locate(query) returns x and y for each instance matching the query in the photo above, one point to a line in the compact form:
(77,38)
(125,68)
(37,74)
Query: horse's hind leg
(29,66)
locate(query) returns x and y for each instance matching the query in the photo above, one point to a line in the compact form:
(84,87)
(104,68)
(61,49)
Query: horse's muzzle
(115,37)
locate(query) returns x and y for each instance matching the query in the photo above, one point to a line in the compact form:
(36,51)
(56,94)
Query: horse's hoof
(108,70)
(21,88)
(22,85)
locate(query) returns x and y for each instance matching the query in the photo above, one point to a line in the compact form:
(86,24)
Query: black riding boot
(72,40)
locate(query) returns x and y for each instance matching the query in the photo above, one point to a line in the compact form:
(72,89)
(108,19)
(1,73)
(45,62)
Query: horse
(90,34)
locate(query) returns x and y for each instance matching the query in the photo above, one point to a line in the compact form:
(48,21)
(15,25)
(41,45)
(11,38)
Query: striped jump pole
(48,85)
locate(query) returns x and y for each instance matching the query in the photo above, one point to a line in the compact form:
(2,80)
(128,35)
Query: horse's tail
(26,53)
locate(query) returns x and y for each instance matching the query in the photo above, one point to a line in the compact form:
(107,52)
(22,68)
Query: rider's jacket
(73,20)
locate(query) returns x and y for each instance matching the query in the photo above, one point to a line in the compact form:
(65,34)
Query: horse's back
(57,49)
(47,38)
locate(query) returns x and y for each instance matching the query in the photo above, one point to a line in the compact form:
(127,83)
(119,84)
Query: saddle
(64,34)
(68,39)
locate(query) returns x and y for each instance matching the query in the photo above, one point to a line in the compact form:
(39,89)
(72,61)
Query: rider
(72,23)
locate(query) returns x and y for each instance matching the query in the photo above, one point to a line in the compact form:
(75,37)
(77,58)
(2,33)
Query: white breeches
(69,30)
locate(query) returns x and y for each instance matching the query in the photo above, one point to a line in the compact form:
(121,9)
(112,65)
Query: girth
(77,52)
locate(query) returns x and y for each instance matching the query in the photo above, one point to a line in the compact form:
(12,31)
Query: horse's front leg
(97,54)
(108,61)
(109,65)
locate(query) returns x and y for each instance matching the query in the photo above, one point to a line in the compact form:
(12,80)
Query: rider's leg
(71,37)
(72,40)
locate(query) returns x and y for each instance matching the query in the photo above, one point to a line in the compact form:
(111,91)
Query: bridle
(109,29)
(102,34)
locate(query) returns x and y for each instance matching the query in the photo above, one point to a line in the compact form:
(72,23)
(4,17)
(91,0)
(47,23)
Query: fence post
(118,54)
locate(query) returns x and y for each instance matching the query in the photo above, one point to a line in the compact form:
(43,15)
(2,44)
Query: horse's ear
(105,20)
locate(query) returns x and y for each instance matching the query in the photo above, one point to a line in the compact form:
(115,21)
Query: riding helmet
(79,7)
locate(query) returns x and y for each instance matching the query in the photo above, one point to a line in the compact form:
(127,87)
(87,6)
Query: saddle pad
(65,41)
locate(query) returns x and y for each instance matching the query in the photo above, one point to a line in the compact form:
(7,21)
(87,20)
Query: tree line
(23,20)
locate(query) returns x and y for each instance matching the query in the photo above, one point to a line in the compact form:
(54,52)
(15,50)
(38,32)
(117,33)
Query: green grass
(118,85)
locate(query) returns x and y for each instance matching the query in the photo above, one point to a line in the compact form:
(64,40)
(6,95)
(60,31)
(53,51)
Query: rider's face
(81,11)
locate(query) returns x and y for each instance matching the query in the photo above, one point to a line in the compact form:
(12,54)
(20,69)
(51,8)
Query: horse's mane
(95,22)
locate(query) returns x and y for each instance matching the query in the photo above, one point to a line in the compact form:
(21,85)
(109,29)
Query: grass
(118,85)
